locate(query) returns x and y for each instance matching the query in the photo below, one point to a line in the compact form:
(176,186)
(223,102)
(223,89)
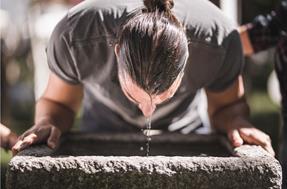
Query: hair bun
(161,5)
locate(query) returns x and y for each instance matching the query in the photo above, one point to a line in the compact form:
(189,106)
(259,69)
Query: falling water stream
(148,136)
(147,133)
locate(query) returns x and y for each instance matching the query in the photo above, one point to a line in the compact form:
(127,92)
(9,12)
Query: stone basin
(115,161)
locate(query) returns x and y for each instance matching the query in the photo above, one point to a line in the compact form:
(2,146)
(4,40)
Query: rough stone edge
(160,165)
(31,157)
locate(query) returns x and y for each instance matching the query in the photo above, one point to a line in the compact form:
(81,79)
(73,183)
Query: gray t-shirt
(81,51)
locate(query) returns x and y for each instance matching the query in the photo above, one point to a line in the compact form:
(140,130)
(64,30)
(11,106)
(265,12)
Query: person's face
(141,98)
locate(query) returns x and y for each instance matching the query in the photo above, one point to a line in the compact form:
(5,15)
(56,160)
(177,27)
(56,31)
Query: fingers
(235,137)
(54,137)
(34,135)
(255,136)
(22,144)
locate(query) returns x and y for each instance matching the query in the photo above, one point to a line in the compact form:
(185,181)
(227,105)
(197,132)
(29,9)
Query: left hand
(244,132)
(229,112)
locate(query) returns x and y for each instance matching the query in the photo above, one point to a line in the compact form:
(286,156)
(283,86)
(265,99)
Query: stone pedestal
(116,161)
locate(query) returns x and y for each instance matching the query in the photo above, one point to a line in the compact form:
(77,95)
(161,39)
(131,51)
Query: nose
(147,109)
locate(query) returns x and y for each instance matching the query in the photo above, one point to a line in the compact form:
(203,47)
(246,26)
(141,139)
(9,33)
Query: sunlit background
(26,25)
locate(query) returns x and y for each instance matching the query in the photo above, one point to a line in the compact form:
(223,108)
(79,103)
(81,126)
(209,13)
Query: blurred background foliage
(17,87)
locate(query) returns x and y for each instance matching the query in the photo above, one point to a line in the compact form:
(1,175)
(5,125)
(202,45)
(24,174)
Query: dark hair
(153,46)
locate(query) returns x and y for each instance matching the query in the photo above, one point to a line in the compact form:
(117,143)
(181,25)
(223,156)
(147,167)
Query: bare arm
(245,40)
(59,104)
(229,113)
(55,112)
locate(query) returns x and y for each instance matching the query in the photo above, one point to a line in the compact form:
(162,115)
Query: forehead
(130,87)
(134,92)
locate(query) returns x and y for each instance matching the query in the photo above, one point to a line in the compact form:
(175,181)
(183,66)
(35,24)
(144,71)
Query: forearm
(57,114)
(245,40)
(225,117)
(229,113)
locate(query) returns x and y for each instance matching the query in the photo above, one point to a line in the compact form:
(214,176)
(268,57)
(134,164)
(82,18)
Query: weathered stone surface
(245,167)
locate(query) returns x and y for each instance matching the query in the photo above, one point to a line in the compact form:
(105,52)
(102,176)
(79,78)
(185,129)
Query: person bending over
(125,61)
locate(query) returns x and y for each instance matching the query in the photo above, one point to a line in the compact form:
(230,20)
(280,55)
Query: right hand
(42,132)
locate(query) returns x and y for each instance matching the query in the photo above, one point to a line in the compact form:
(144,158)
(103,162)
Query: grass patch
(5,156)
(260,102)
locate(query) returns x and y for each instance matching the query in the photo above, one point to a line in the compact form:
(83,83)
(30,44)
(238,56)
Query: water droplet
(208,39)
(111,43)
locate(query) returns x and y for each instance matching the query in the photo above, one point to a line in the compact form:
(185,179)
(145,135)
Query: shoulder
(204,22)
(215,47)
(93,19)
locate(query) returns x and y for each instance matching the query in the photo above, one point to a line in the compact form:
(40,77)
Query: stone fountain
(116,161)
